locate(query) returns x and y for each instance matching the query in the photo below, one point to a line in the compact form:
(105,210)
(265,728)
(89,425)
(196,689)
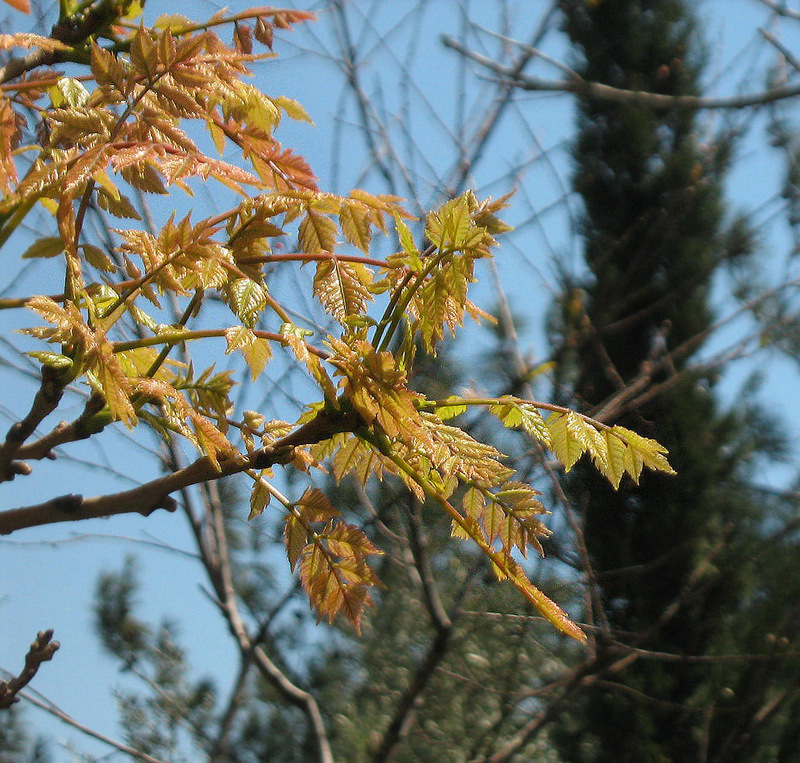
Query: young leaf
(49,246)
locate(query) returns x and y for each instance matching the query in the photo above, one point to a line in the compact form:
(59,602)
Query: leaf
(255,350)
(353,218)
(445,412)
(357,456)
(292,108)
(264,32)
(257,355)
(110,381)
(567,437)
(210,440)
(68,92)
(314,506)
(259,498)
(317,233)
(143,53)
(349,541)
(342,287)
(97,258)
(448,227)
(248,299)
(548,608)
(406,239)
(9,134)
(334,572)
(616,457)
(134,9)
(52,359)
(109,71)
(642,451)
(49,246)
(28,40)
(295,537)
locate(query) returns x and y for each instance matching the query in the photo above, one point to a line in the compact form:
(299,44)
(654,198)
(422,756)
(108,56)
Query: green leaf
(449,227)
(68,92)
(293,109)
(445,412)
(342,287)
(248,299)
(355,225)
(407,240)
(566,441)
(616,457)
(97,258)
(52,359)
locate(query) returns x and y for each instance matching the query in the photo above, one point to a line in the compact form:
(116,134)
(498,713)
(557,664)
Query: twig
(41,650)
(405,711)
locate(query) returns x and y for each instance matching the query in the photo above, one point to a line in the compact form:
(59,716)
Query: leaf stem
(399,302)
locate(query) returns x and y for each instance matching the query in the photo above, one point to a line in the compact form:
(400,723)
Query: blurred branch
(781,9)
(599,92)
(216,559)
(404,715)
(48,707)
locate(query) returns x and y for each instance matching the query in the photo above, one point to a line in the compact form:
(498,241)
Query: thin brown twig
(41,650)
(48,707)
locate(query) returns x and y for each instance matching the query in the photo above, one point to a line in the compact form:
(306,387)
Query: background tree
(670,578)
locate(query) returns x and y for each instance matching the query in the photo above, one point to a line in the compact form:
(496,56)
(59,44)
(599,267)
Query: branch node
(69,504)
(167,502)
(17,467)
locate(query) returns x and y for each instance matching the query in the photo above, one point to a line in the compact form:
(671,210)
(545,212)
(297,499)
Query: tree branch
(41,650)
(71,30)
(153,495)
(45,402)
(217,562)
(599,92)
(62,716)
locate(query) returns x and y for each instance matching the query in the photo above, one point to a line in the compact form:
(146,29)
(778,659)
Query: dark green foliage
(172,713)
(671,556)
(15,744)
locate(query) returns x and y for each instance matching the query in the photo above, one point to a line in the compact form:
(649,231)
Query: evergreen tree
(667,554)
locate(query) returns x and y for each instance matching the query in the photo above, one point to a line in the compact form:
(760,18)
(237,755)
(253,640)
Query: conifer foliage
(104,110)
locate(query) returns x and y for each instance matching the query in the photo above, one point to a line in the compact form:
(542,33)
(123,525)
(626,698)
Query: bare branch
(781,9)
(45,402)
(217,562)
(41,650)
(600,92)
(62,716)
(156,494)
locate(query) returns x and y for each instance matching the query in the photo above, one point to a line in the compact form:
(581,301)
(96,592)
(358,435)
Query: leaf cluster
(129,126)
